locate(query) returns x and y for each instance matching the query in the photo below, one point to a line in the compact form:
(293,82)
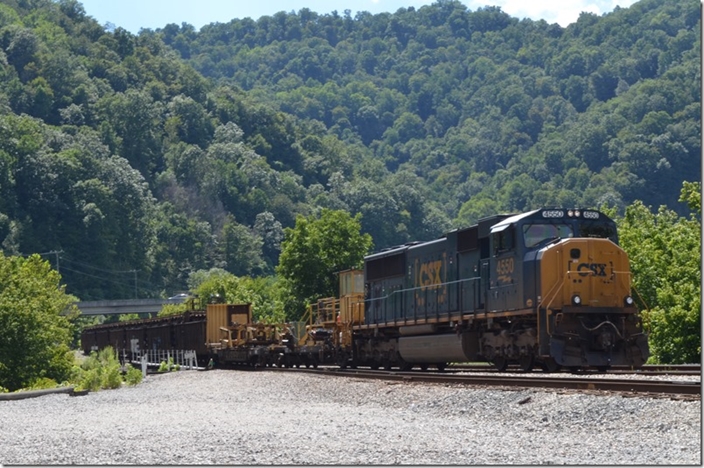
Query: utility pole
(57,253)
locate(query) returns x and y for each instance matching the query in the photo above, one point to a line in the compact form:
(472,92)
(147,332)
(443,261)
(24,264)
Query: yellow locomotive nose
(584,272)
(587,313)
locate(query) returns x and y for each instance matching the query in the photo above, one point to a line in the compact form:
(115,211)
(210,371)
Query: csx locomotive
(550,287)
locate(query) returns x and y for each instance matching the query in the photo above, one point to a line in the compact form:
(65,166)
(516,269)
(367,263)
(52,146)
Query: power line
(96,268)
(138,284)
(98,277)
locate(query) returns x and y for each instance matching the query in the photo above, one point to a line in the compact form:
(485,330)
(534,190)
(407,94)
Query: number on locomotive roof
(591,215)
(553,214)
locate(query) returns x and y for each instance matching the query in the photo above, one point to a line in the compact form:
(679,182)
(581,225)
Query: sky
(134,15)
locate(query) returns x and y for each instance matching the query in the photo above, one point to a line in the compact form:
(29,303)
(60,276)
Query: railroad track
(628,387)
(650,369)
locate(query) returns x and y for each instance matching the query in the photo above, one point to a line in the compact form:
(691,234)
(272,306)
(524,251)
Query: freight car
(233,338)
(549,287)
(225,333)
(132,338)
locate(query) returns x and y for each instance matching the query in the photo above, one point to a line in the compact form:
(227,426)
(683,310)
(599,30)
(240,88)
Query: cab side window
(504,240)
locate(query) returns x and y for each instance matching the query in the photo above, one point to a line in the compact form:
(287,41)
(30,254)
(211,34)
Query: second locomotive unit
(549,287)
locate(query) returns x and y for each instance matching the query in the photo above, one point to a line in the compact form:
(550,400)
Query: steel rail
(649,369)
(629,386)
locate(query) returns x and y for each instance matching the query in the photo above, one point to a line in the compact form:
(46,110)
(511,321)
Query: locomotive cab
(565,268)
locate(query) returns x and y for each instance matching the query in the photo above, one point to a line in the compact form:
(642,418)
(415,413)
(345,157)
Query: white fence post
(144,365)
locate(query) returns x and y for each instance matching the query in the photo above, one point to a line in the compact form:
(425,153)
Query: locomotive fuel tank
(449,347)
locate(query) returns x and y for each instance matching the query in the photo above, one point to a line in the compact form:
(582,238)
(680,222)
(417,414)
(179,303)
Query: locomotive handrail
(647,307)
(557,287)
(423,287)
(382,299)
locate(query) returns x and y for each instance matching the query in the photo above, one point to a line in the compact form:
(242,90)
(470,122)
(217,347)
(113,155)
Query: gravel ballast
(228,417)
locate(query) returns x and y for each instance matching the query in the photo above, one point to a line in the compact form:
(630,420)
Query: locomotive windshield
(538,233)
(598,229)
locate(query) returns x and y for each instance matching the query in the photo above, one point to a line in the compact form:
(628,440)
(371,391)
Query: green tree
(242,249)
(35,332)
(135,119)
(263,293)
(314,251)
(665,254)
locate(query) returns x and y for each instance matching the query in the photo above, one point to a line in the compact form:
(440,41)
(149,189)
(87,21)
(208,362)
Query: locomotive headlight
(628,301)
(576,213)
(576,300)
(570,213)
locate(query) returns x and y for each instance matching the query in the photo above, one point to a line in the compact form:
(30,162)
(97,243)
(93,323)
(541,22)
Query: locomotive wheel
(441,366)
(374,365)
(387,365)
(406,366)
(500,363)
(342,360)
(424,367)
(550,365)
(526,363)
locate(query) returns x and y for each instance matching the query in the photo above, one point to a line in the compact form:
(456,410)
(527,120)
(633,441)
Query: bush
(133,376)
(43,383)
(111,377)
(89,380)
(99,370)
(168,366)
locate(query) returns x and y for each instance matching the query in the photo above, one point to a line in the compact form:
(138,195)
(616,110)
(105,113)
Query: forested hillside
(493,113)
(135,160)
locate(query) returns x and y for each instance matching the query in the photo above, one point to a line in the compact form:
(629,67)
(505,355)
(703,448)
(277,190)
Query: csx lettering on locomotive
(430,275)
(596,269)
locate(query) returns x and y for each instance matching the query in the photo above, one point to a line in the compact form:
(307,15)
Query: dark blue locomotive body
(550,286)
(430,280)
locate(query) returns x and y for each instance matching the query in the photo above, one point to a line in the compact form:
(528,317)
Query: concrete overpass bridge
(126,306)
